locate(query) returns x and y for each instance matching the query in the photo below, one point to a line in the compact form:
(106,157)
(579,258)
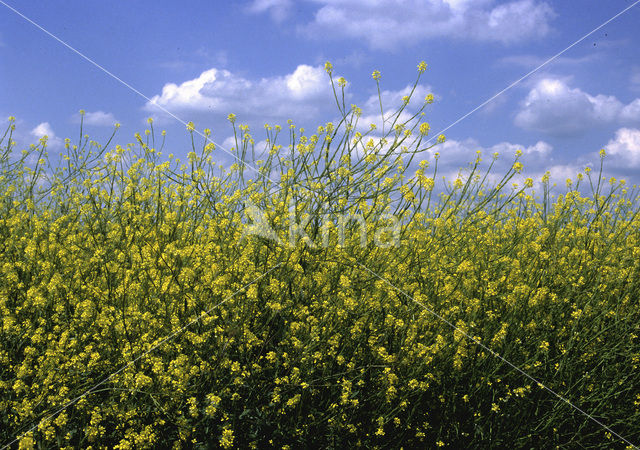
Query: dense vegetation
(141,306)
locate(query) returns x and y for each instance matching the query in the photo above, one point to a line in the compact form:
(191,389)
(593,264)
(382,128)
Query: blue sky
(263,60)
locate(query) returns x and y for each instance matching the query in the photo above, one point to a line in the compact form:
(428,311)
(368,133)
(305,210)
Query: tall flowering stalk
(136,311)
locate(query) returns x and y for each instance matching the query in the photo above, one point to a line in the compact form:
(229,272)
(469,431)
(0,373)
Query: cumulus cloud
(302,94)
(391,102)
(622,161)
(44,129)
(456,155)
(538,150)
(391,23)
(625,147)
(260,147)
(97,118)
(559,174)
(554,108)
(464,151)
(631,112)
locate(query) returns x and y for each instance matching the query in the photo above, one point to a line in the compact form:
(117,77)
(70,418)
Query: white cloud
(228,146)
(391,23)
(229,143)
(97,118)
(44,129)
(558,174)
(625,147)
(631,112)
(554,108)
(301,94)
(455,156)
(391,102)
(307,82)
(463,152)
(540,149)
(622,161)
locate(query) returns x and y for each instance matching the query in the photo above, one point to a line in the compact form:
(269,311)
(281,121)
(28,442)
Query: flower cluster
(118,263)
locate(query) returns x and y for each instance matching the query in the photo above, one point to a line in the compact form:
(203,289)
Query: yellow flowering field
(321,293)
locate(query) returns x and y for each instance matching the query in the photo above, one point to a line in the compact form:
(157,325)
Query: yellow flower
(545,177)
(376,75)
(226,440)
